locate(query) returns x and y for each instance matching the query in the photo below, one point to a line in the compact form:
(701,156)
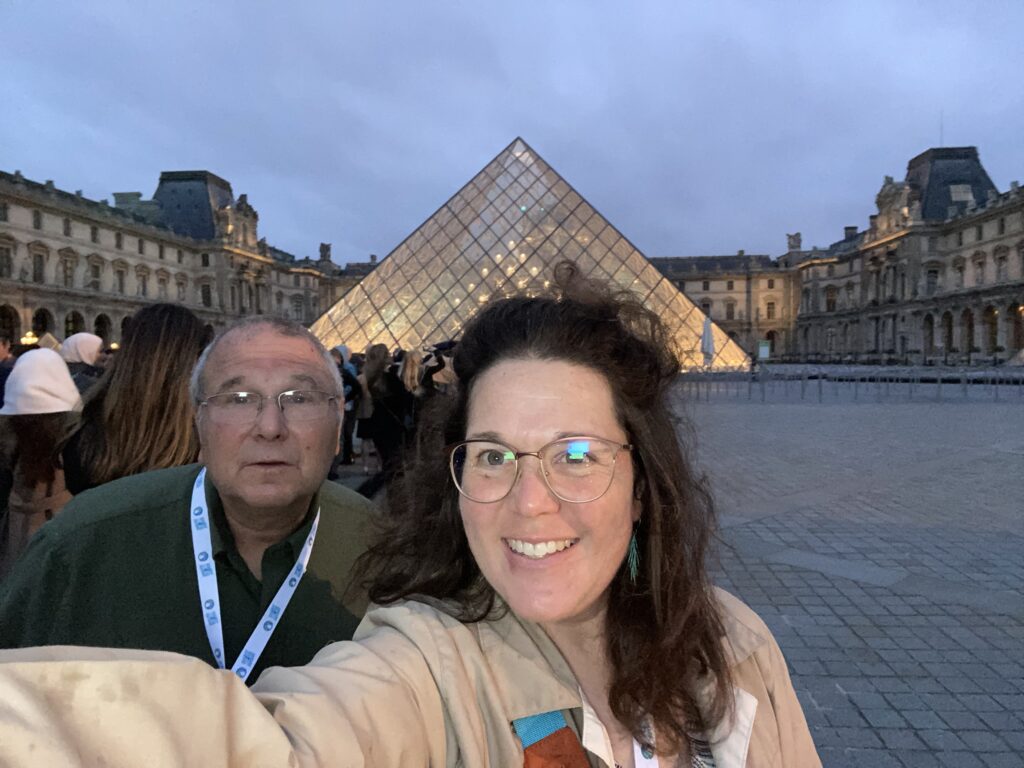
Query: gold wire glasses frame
(246,407)
(575,469)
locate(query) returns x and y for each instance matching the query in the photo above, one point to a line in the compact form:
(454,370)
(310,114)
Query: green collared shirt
(116,569)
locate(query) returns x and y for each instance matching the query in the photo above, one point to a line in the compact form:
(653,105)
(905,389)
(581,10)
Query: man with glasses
(243,560)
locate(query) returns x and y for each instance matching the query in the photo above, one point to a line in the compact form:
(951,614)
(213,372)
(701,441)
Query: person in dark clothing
(392,404)
(81,351)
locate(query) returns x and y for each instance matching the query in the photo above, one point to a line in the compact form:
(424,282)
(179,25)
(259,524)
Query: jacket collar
(532,676)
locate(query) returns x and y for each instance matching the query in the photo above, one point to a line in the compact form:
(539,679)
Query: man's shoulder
(336,499)
(128,497)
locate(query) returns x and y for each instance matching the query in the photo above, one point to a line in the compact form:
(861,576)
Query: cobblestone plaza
(883,543)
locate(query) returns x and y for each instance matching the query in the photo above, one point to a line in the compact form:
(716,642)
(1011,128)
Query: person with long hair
(138,416)
(540,582)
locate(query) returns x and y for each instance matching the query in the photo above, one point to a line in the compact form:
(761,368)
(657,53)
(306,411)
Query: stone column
(979,330)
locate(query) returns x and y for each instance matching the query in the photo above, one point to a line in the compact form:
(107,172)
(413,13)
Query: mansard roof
(933,172)
(189,201)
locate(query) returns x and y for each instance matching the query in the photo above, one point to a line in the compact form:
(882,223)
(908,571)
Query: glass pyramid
(502,234)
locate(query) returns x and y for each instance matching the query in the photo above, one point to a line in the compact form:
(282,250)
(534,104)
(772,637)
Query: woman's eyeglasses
(575,469)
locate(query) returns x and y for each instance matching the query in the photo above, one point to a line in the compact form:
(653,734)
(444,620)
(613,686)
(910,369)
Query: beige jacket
(417,689)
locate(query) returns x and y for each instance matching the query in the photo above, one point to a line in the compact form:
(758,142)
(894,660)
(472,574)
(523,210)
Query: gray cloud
(695,128)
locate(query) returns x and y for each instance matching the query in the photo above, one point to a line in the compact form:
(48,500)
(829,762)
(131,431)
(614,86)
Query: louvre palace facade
(937,277)
(70,264)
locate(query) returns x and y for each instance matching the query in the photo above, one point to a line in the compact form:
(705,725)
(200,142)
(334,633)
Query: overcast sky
(695,127)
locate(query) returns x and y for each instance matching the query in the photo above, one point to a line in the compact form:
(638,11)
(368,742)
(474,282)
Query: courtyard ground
(882,540)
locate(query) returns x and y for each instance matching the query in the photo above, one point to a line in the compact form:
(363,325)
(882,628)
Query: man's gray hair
(280,325)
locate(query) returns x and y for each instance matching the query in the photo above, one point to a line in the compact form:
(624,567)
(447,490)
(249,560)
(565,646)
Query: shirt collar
(221,538)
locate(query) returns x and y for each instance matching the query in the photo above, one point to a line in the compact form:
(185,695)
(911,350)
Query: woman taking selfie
(540,582)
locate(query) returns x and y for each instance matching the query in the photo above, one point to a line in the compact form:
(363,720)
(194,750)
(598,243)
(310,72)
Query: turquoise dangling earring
(633,557)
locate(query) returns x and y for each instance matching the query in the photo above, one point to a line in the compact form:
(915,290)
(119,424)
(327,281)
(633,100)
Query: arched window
(73,323)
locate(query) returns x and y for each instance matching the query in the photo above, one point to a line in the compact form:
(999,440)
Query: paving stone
(883,718)
(1001,760)
(924,718)
(898,739)
(961,721)
(983,741)
(959,760)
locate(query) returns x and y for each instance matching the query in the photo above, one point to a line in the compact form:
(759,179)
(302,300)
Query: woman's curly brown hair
(664,633)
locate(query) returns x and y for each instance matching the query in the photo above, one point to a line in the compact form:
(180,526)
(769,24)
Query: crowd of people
(530,590)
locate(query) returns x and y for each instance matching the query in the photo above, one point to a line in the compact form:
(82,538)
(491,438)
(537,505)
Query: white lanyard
(209,595)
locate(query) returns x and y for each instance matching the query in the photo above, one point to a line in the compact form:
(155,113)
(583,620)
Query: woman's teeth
(537,550)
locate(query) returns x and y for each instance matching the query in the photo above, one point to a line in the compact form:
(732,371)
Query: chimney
(794,242)
(849,232)
(373,258)
(127,199)
(325,251)
(740,252)
(873,219)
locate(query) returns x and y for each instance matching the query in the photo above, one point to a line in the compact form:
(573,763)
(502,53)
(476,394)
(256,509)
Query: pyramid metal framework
(502,234)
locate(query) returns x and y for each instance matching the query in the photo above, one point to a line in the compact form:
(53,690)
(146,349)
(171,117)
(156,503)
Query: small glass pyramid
(502,234)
